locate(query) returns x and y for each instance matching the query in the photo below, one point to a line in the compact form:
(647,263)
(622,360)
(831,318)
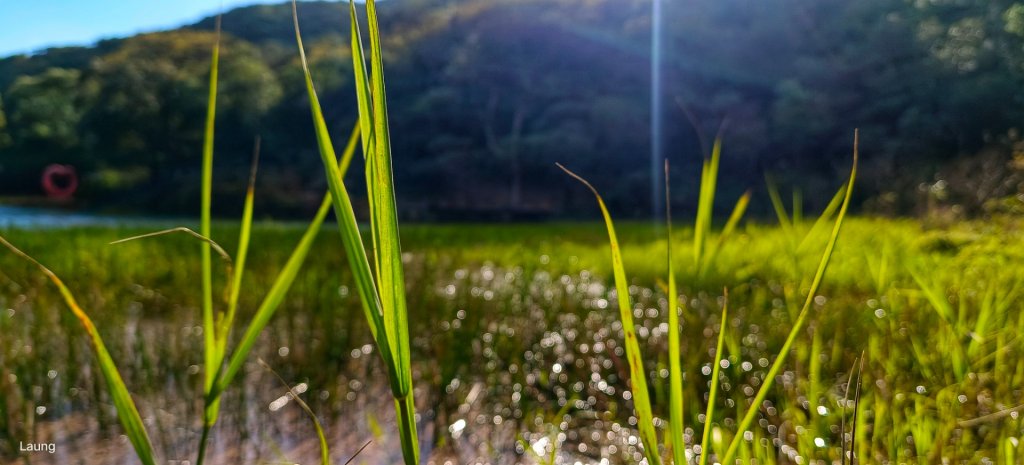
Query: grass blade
(706,205)
(856,410)
(822,220)
(675,369)
(271,302)
(713,393)
(325,451)
(209,331)
(392,283)
(387,243)
(637,375)
(210,358)
(778,205)
(123,403)
(181,229)
(244,236)
(819,275)
(365,116)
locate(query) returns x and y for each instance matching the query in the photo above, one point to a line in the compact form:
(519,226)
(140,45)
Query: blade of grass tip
(384,193)
(842,419)
(730,226)
(822,219)
(127,412)
(244,236)
(705,440)
(856,410)
(325,454)
(342,203)
(181,229)
(676,406)
(366,118)
(819,275)
(778,205)
(706,204)
(277,291)
(637,375)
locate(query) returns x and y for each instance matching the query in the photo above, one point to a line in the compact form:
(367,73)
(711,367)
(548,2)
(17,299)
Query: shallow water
(28,217)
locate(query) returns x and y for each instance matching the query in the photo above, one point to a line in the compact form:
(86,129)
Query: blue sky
(30,25)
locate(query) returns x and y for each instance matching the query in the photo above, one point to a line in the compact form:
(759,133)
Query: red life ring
(60,181)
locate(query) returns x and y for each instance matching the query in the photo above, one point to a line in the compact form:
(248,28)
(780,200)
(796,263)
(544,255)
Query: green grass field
(517,347)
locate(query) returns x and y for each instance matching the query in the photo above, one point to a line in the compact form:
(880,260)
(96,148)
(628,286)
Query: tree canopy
(487,95)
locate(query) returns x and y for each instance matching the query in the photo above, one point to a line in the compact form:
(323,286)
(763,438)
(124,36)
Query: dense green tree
(45,111)
(151,102)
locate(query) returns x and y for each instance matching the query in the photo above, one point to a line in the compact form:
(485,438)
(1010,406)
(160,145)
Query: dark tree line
(486,95)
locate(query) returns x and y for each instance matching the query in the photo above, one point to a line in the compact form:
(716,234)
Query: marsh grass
(381,287)
(702,229)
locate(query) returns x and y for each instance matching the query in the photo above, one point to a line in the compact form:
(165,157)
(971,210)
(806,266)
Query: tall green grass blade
(342,203)
(270,303)
(637,375)
(778,205)
(384,299)
(244,235)
(209,330)
(819,275)
(388,252)
(675,369)
(365,116)
(705,441)
(123,403)
(706,205)
(210,345)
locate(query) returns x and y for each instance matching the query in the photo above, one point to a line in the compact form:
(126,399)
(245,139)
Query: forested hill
(485,95)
